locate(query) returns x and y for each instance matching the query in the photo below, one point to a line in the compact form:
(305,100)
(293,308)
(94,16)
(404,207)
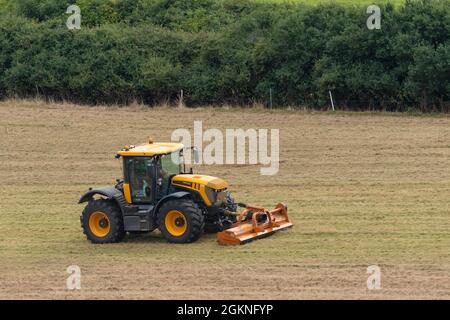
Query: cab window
(139,173)
(170,163)
(167,167)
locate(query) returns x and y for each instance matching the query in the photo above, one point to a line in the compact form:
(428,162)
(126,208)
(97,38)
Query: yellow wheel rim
(99,224)
(175,223)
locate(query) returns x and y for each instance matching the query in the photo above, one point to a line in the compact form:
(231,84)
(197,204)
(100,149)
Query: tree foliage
(228,52)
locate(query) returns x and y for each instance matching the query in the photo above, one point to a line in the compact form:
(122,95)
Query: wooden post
(270,97)
(331,98)
(180,100)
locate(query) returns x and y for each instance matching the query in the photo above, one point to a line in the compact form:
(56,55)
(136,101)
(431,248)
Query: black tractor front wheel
(180,221)
(102,222)
(215,226)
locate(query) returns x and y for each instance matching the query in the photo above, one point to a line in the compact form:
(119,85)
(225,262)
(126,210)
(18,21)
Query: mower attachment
(255,223)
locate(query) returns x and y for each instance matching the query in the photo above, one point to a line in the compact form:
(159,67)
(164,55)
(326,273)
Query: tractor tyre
(180,221)
(102,222)
(214,227)
(211,227)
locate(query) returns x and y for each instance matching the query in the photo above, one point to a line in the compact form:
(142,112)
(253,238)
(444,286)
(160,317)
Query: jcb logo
(73,282)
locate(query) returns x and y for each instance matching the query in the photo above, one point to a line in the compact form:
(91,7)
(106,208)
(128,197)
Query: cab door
(139,176)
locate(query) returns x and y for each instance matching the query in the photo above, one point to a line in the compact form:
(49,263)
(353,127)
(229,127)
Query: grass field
(362,189)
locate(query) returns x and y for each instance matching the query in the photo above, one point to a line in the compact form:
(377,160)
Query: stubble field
(362,189)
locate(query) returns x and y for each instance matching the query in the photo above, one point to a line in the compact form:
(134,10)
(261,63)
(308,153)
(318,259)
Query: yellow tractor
(157,193)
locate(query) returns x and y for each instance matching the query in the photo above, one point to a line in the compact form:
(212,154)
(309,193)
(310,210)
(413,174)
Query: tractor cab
(148,170)
(153,171)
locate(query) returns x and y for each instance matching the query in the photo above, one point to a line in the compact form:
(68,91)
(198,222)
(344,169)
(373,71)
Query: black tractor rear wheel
(180,221)
(102,222)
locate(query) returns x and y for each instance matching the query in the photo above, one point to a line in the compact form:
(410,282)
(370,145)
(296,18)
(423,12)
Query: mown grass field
(362,189)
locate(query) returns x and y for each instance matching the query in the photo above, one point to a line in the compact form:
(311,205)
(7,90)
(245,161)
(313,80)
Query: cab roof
(150,149)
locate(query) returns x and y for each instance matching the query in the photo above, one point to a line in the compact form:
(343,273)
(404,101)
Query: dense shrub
(228,52)
(41,10)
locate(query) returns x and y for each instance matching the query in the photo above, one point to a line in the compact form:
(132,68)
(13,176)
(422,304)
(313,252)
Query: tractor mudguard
(175,195)
(108,192)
